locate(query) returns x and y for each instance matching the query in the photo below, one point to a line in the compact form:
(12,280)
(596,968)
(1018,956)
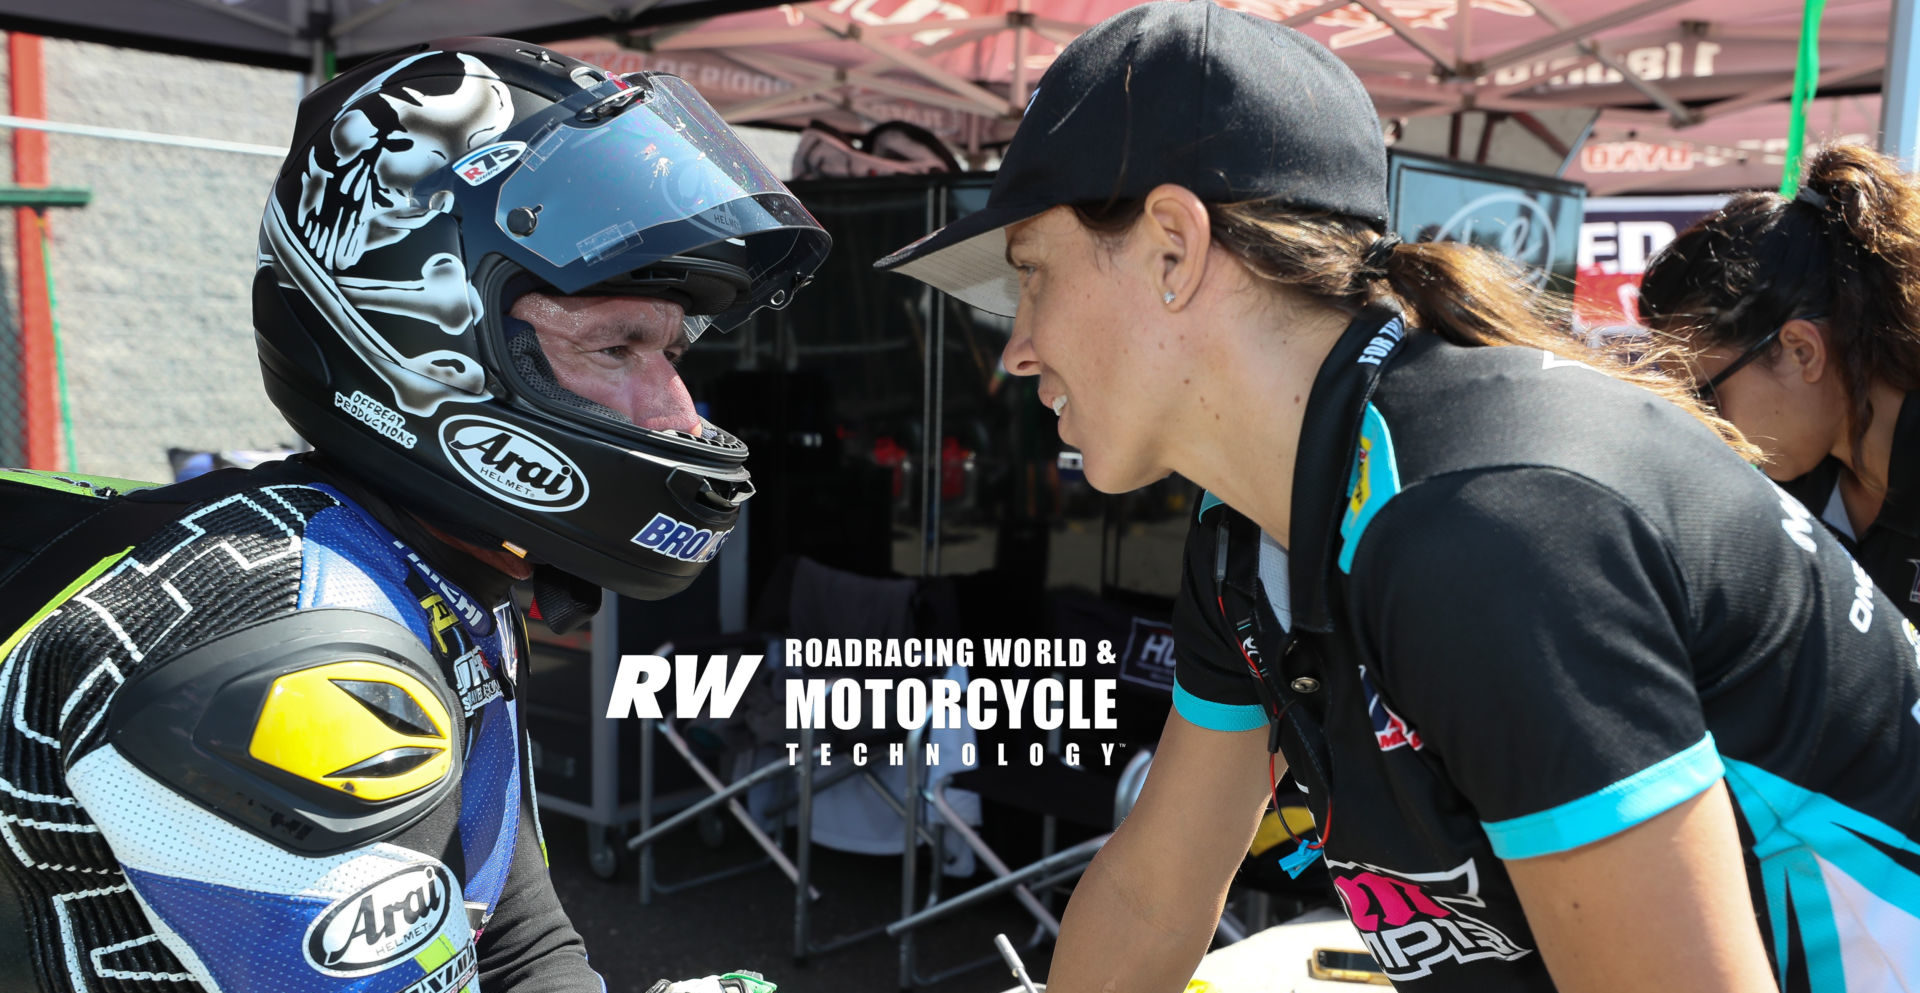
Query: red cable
(1273,777)
(1326,830)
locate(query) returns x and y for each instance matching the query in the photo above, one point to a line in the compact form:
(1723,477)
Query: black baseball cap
(1231,106)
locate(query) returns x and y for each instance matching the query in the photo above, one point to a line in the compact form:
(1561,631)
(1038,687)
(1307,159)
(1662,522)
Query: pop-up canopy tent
(962,68)
(1745,149)
(1418,57)
(306,34)
(1663,71)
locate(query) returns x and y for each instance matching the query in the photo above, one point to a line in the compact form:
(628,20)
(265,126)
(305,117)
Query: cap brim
(968,259)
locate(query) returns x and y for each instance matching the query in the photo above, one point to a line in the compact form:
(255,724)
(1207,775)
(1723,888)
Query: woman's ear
(1804,344)
(1178,235)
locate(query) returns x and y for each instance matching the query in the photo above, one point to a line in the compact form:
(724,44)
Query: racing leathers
(273,745)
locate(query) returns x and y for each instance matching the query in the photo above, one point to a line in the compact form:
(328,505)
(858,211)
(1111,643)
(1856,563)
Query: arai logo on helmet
(482,164)
(512,464)
(383,923)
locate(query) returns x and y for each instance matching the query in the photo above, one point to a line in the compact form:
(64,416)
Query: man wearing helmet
(262,730)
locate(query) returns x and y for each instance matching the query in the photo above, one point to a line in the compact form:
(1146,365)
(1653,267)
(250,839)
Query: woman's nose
(1018,357)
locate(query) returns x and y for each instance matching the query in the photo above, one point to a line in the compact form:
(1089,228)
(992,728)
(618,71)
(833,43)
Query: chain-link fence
(149,283)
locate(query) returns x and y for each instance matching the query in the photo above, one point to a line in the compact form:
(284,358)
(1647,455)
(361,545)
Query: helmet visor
(640,169)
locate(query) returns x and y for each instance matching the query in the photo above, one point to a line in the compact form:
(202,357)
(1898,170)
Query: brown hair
(1465,294)
(1849,251)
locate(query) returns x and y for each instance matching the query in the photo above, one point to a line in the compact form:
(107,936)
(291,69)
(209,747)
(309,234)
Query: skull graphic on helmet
(356,197)
(427,190)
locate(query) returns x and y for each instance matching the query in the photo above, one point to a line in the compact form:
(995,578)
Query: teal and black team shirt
(1536,607)
(1889,548)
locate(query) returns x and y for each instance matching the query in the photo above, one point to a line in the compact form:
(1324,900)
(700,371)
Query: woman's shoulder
(1452,407)
(1529,416)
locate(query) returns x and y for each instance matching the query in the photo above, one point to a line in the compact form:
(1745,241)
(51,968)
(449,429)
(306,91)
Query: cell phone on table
(1343,966)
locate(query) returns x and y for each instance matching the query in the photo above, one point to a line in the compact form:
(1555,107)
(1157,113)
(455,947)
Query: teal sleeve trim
(1217,716)
(1612,809)
(1207,502)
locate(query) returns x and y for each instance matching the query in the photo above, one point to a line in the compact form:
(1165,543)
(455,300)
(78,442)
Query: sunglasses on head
(1709,392)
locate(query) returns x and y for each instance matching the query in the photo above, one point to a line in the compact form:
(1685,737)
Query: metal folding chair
(1028,884)
(806,782)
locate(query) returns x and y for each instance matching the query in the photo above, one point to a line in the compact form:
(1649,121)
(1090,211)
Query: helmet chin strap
(565,601)
(503,557)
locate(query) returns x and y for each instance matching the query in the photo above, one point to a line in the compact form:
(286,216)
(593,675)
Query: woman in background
(1800,320)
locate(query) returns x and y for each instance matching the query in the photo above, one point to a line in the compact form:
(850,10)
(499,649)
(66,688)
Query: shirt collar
(1329,436)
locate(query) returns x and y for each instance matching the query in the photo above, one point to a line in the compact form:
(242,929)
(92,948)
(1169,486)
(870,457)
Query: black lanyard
(1264,645)
(1346,384)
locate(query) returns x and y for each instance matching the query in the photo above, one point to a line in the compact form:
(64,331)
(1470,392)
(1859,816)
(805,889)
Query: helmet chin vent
(726,497)
(711,436)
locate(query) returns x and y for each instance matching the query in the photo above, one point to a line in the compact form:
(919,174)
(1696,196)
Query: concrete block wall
(151,280)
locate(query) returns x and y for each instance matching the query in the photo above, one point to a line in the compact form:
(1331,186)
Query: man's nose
(657,397)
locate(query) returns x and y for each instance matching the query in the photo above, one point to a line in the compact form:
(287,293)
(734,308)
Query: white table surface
(1275,960)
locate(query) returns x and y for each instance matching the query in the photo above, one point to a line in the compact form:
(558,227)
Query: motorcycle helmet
(427,190)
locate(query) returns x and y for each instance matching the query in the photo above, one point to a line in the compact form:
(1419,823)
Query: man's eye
(617,351)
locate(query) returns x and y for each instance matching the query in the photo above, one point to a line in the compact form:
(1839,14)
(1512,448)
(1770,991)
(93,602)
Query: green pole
(1806,82)
(59,350)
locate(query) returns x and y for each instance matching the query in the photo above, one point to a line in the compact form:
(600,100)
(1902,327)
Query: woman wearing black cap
(1802,318)
(1580,699)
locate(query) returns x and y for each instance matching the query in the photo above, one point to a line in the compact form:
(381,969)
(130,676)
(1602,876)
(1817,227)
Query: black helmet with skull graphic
(425,191)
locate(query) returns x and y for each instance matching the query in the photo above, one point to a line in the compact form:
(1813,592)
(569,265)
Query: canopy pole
(1806,84)
(320,35)
(1900,97)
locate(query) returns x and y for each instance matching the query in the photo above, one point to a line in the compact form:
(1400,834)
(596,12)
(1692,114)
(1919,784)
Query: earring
(1168,298)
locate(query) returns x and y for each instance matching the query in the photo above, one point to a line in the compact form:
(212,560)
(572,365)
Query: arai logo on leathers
(382,923)
(512,464)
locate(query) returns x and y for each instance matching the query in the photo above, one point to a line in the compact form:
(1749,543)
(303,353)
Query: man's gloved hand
(732,982)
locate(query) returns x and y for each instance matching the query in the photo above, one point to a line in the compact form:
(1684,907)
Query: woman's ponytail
(1465,294)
